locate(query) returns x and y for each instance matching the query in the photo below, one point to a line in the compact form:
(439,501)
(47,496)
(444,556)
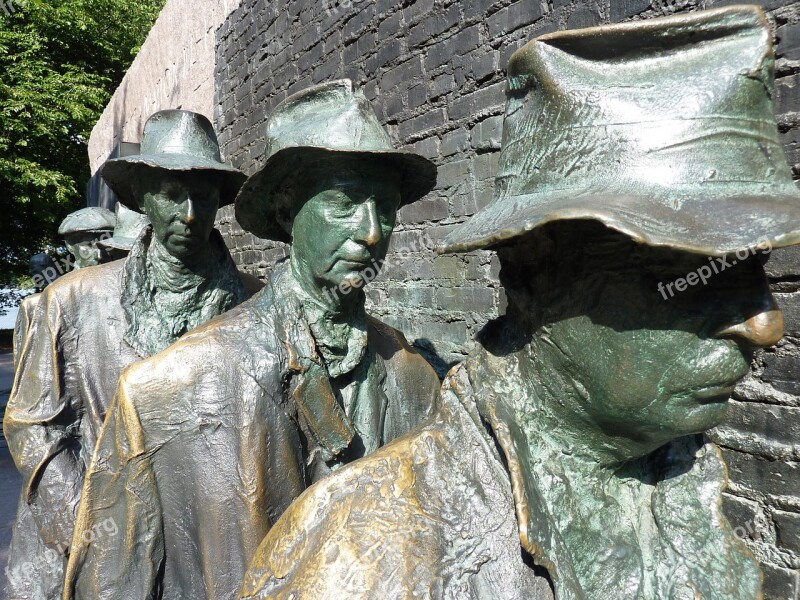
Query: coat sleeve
(21,325)
(118,545)
(42,425)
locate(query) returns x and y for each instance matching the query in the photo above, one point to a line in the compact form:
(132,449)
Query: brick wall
(434,70)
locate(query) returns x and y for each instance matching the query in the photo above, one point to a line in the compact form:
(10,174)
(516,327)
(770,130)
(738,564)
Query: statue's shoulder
(388,336)
(391,344)
(86,284)
(233,345)
(432,508)
(336,518)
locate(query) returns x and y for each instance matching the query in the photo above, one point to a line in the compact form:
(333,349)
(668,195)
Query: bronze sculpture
(128,226)
(82,230)
(85,233)
(41,268)
(209,442)
(634,156)
(93,322)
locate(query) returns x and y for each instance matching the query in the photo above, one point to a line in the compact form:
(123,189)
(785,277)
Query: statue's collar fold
(158,312)
(692,545)
(341,339)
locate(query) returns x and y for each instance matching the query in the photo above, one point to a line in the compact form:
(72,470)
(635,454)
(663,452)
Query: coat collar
(697,548)
(151,325)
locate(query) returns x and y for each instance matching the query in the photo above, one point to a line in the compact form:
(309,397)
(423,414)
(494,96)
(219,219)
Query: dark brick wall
(434,70)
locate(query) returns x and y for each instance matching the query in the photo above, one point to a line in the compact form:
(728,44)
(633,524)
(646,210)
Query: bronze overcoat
(69,365)
(208,443)
(448,512)
(24,317)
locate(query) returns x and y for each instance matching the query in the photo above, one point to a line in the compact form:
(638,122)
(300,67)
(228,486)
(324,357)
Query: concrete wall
(174,69)
(434,70)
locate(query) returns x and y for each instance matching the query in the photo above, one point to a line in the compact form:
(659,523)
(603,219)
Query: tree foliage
(60,62)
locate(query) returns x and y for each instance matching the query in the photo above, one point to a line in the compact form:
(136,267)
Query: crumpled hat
(661,129)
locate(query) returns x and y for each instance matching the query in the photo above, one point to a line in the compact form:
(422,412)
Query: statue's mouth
(714,394)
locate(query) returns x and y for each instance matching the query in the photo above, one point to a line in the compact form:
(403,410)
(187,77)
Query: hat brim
(117,243)
(724,225)
(256,203)
(118,173)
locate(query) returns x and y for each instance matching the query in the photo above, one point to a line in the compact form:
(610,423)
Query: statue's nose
(190,213)
(761,330)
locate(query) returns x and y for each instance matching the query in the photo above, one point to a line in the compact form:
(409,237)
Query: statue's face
(343,229)
(181,208)
(652,366)
(83,247)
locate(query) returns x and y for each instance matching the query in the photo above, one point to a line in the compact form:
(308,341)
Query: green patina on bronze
(634,155)
(312,131)
(275,394)
(128,226)
(77,336)
(186,275)
(83,231)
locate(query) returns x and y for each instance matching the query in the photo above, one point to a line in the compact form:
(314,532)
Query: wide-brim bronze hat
(663,130)
(312,128)
(127,229)
(173,140)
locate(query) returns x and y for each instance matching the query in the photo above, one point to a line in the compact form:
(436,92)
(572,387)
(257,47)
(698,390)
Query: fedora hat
(85,220)
(128,228)
(310,127)
(173,140)
(661,129)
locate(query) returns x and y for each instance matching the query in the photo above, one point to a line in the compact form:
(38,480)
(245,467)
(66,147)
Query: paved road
(10,481)
(10,484)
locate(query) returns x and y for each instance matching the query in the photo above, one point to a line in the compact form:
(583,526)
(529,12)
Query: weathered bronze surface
(128,226)
(41,268)
(634,155)
(210,441)
(82,230)
(680,153)
(90,324)
(26,310)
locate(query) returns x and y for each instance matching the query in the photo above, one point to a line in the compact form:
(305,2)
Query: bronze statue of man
(93,322)
(43,271)
(209,442)
(637,158)
(82,231)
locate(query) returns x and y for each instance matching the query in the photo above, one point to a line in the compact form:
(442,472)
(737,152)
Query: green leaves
(60,62)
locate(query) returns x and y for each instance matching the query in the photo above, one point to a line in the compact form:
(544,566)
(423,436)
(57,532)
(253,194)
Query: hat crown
(92,218)
(180,132)
(661,129)
(129,222)
(680,104)
(333,115)
(177,141)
